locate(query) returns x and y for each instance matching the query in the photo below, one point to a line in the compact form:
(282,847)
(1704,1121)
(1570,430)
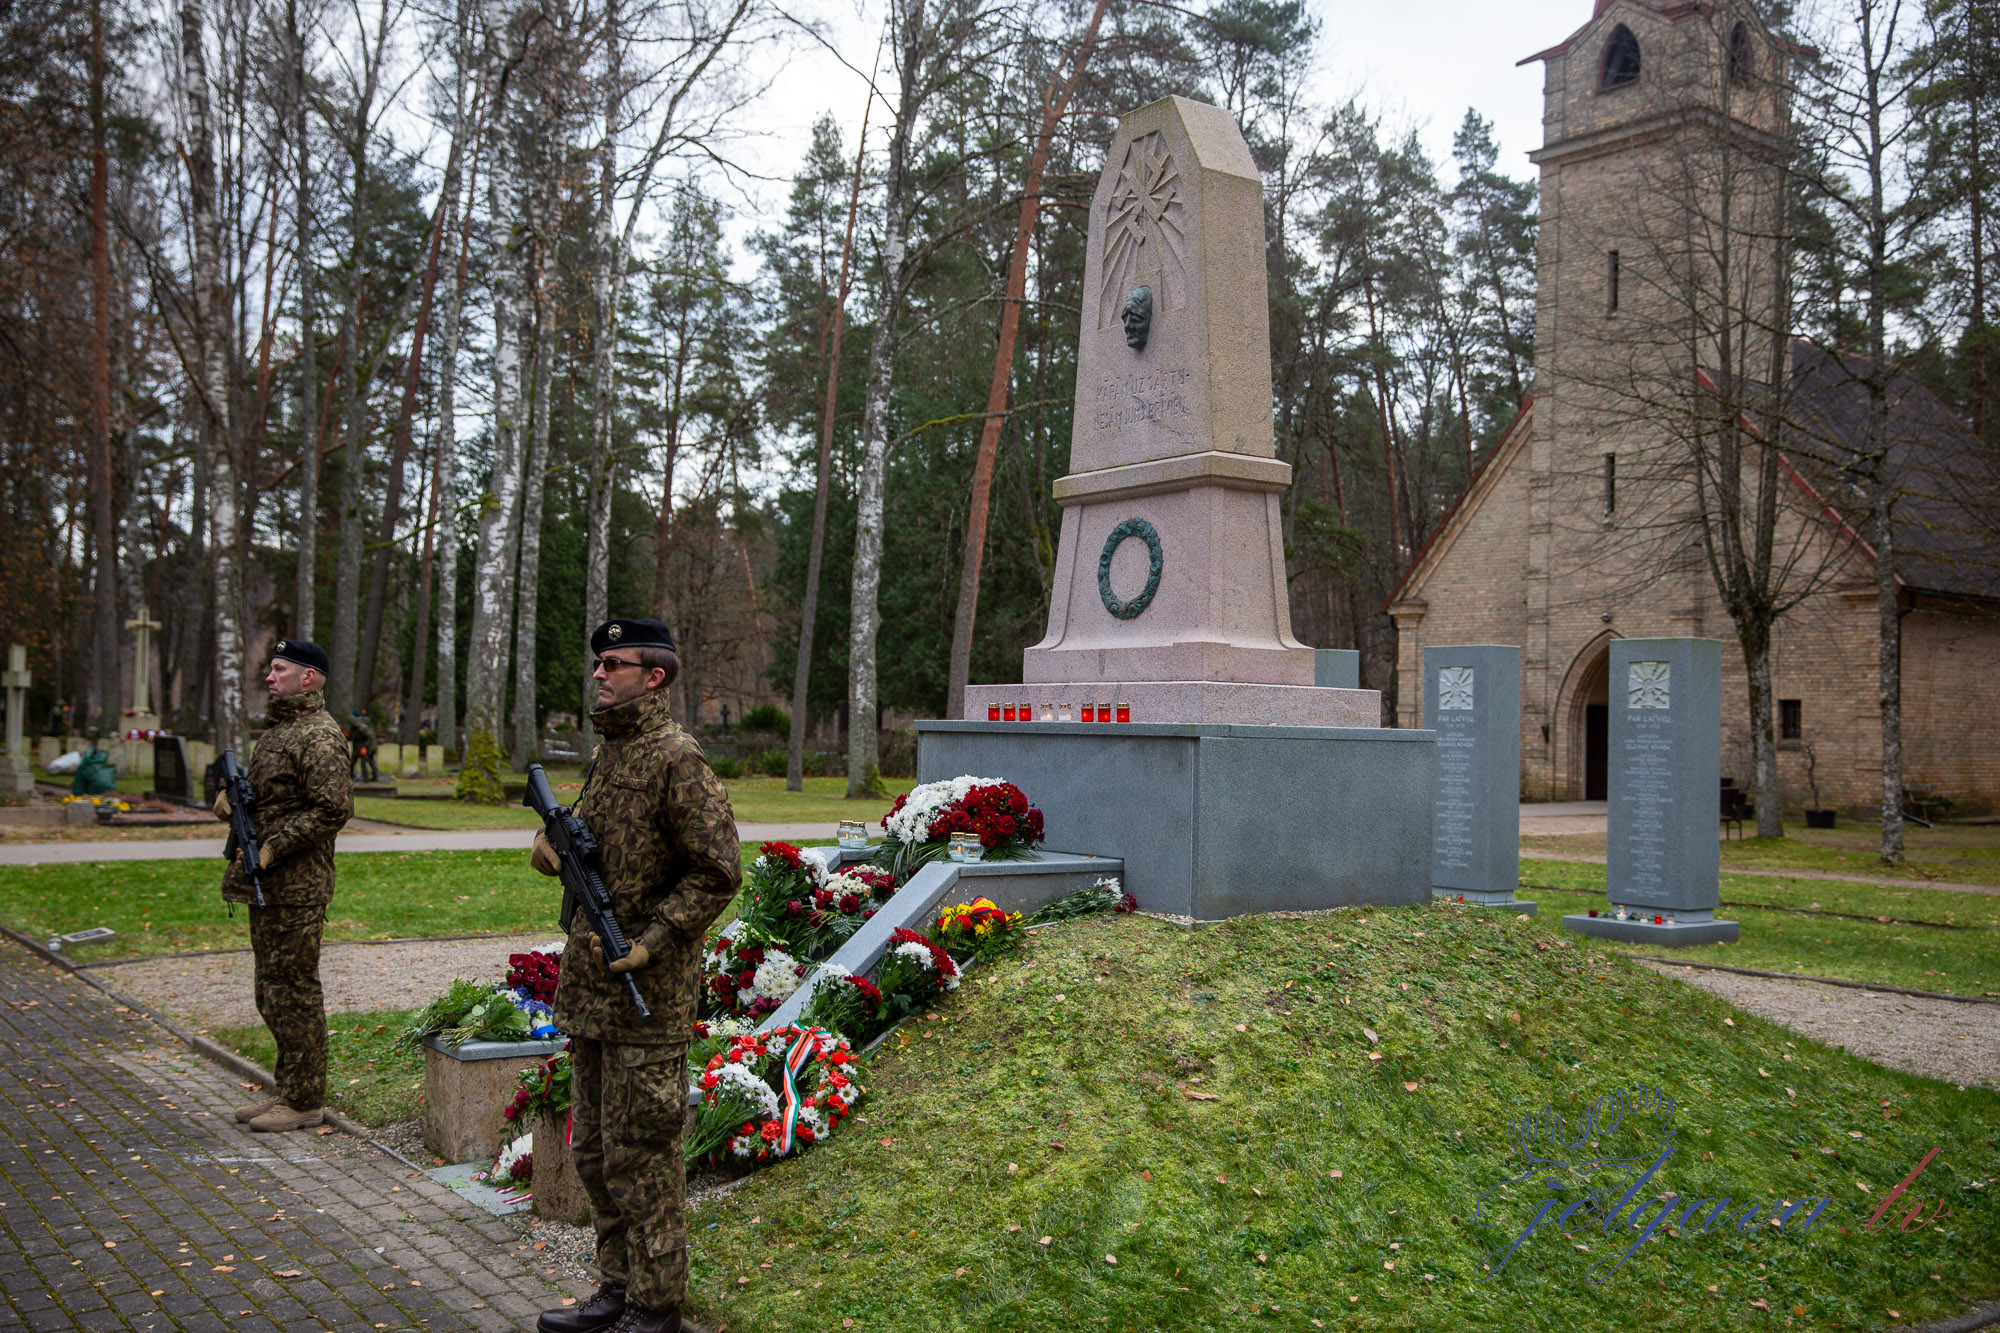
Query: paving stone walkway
(131,1199)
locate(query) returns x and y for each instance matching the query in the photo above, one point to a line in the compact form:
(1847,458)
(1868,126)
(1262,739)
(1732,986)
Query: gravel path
(213,990)
(1948,1040)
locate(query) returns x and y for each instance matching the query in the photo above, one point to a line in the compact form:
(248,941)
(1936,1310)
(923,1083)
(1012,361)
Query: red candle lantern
(1089,713)
(1124,711)
(993,712)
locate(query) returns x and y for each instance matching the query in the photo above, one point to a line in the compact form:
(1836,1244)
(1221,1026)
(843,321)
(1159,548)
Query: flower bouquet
(766,1095)
(469,1011)
(920,825)
(978,929)
(844,1003)
(745,976)
(534,974)
(810,913)
(543,1087)
(1106,895)
(513,1171)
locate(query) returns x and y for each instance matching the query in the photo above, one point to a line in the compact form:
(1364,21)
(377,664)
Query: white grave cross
(142,659)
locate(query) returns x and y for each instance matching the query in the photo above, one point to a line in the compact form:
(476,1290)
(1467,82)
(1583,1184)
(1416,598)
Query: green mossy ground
(1049,1098)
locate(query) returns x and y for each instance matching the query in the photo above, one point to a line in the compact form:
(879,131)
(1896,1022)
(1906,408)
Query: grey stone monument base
(1473,898)
(1217,821)
(15,774)
(1678,934)
(1191,702)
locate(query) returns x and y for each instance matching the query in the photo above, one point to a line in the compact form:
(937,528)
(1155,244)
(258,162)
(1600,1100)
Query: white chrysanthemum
(738,1079)
(812,1116)
(912,949)
(846,883)
(743,1145)
(729,1027)
(777,977)
(512,1153)
(912,823)
(1110,885)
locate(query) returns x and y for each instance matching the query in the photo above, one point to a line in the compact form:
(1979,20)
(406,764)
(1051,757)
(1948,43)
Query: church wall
(1951,703)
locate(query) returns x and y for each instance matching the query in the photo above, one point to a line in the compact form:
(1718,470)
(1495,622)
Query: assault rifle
(243,833)
(576,847)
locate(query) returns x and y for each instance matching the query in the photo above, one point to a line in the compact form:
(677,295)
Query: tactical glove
(543,856)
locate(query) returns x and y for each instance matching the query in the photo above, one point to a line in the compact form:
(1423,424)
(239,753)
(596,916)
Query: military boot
(265,1103)
(282,1117)
(639,1320)
(601,1311)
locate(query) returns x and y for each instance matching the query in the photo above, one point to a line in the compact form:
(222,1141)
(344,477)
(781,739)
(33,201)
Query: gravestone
(15,773)
(1663,877)
(1170,591)
(1472,700)
(173,778)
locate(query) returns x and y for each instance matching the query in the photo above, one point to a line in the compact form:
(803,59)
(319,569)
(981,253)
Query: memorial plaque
(1472,700)
(1664,864)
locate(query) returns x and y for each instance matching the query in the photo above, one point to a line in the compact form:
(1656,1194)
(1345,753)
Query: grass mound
(1138,1127)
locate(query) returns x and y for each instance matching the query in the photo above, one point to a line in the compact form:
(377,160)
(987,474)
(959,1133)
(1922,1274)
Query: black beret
(305,653)
(630,634)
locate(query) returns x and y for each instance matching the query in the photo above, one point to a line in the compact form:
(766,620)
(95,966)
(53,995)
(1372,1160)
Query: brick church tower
(1658,292)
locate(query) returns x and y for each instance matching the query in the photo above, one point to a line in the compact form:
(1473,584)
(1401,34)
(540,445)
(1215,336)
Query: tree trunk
(307,595)
(1054,103)
(103,496)
(603,370)
(344,648)
(528,582)
(795,751)
(864,778)
(399,453)
(211,302)
(486,664)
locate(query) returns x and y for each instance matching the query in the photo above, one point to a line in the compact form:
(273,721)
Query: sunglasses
(613,663)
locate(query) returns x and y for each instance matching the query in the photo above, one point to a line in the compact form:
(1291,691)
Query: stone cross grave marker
(1472,700)
(1663,879)
(15,774)
(142,626)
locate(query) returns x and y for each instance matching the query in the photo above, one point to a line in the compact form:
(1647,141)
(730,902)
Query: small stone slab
(467,1091)
(458,1179)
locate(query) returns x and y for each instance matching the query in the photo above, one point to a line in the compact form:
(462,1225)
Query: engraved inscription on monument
(1649,799)
(1127,400)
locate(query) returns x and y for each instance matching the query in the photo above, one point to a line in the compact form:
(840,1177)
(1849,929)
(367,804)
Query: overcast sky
(1420,63)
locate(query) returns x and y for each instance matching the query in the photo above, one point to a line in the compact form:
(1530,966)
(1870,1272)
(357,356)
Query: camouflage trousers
(284,943)
(626,1108)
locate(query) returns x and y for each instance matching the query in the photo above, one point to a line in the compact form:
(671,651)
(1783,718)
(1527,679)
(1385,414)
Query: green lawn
(367,1078)
(170,906)
(446,814)
(755,800)
(1933,939)
(1952,854)
(1041,1128)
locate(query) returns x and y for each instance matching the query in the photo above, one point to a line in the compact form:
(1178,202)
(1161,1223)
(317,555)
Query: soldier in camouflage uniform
(669,856)
(300,773)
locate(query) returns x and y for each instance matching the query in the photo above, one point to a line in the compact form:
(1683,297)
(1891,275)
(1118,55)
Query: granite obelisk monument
(1226,779)
(1170,588)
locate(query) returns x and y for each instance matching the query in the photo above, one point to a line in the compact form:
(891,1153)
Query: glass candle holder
(1045,713)
(1007,713)
(1103,712)
(965,848)
(993,712)
(1124,711)
(1064,713)
(1090,712)
(852,834)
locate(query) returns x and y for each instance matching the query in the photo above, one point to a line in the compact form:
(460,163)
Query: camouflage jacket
(361,731)
(668,852)
(299,771)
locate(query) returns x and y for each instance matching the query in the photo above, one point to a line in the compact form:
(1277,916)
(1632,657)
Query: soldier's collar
(648,712)
(298,705)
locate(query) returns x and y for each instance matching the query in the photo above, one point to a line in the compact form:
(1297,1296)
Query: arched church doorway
(1590,723)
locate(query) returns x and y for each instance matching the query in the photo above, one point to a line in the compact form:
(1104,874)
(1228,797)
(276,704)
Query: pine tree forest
(438,333)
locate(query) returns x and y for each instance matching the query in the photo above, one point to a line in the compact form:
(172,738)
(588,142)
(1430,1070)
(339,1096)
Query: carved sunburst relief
(1455,689)
(1646,684)
(1144,229)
